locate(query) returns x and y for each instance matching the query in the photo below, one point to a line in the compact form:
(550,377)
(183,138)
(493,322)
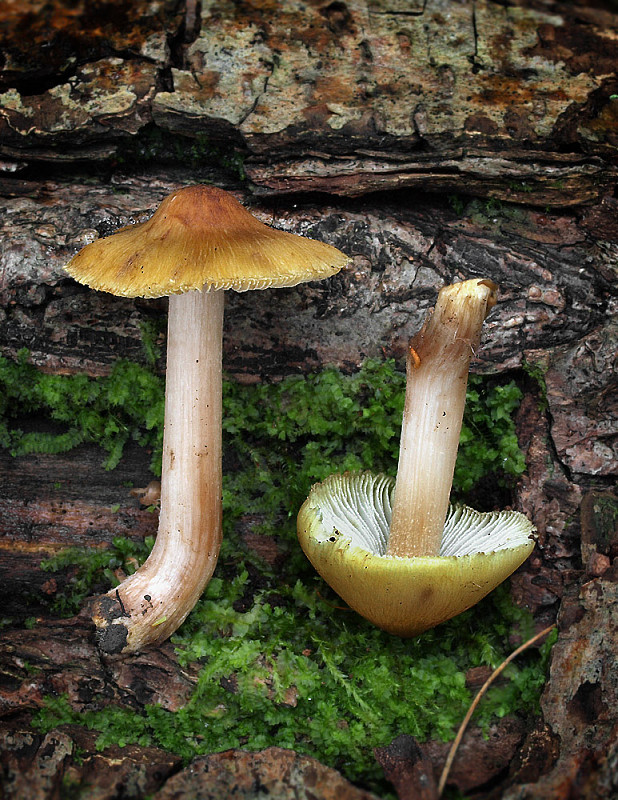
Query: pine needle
(476,701)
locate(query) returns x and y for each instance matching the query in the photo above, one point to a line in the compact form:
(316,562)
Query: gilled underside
(358,507)
(343,528)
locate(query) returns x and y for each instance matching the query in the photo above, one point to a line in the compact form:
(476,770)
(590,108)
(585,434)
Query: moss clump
(93,570)
(280,661)
(279,438)
(155,145)
(296,671)
(537,373)
(126,405)
(488,444)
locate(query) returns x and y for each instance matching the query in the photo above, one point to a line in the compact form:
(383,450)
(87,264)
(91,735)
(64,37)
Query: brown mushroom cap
(201,238)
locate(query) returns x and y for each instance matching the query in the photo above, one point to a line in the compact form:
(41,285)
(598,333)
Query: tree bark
(430,140)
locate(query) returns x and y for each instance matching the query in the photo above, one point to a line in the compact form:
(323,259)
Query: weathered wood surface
(579,703)
(342,97)
(431,141)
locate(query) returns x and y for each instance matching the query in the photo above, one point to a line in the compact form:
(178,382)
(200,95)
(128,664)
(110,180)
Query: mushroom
(199,241)
(396,551)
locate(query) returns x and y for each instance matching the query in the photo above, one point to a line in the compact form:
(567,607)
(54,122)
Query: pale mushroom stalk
(437,367)
(157,598)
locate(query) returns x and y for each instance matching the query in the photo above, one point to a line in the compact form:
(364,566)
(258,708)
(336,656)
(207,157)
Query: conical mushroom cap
(343,529)
(201,238)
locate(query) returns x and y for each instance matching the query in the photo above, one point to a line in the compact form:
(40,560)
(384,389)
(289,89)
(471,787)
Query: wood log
(432,141)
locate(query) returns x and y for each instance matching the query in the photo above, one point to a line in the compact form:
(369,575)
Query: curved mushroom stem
(151,604)
(437,375)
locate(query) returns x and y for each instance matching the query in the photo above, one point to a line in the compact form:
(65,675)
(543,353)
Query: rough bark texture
(432,141)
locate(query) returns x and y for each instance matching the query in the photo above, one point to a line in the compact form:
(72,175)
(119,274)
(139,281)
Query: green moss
(155,145)
(297,672)
(489,212)
(89,570)
(279,438)
(520,186)
(280,662)
(457,203)
(488,443)
(152,335)
(111,411)
(537,372)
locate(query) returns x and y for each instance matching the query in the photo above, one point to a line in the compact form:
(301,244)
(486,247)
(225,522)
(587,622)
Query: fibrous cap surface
(201,238)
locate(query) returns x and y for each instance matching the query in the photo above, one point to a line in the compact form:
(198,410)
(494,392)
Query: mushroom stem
(152,603)
(437,375)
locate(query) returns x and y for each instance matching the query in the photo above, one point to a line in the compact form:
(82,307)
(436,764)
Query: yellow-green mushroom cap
(343,529)
(201,238)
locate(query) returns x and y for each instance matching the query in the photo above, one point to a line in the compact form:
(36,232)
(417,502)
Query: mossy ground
(281,662)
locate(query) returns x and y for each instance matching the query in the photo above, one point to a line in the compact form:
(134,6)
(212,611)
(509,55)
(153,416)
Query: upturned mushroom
(396,551)
(199,242)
